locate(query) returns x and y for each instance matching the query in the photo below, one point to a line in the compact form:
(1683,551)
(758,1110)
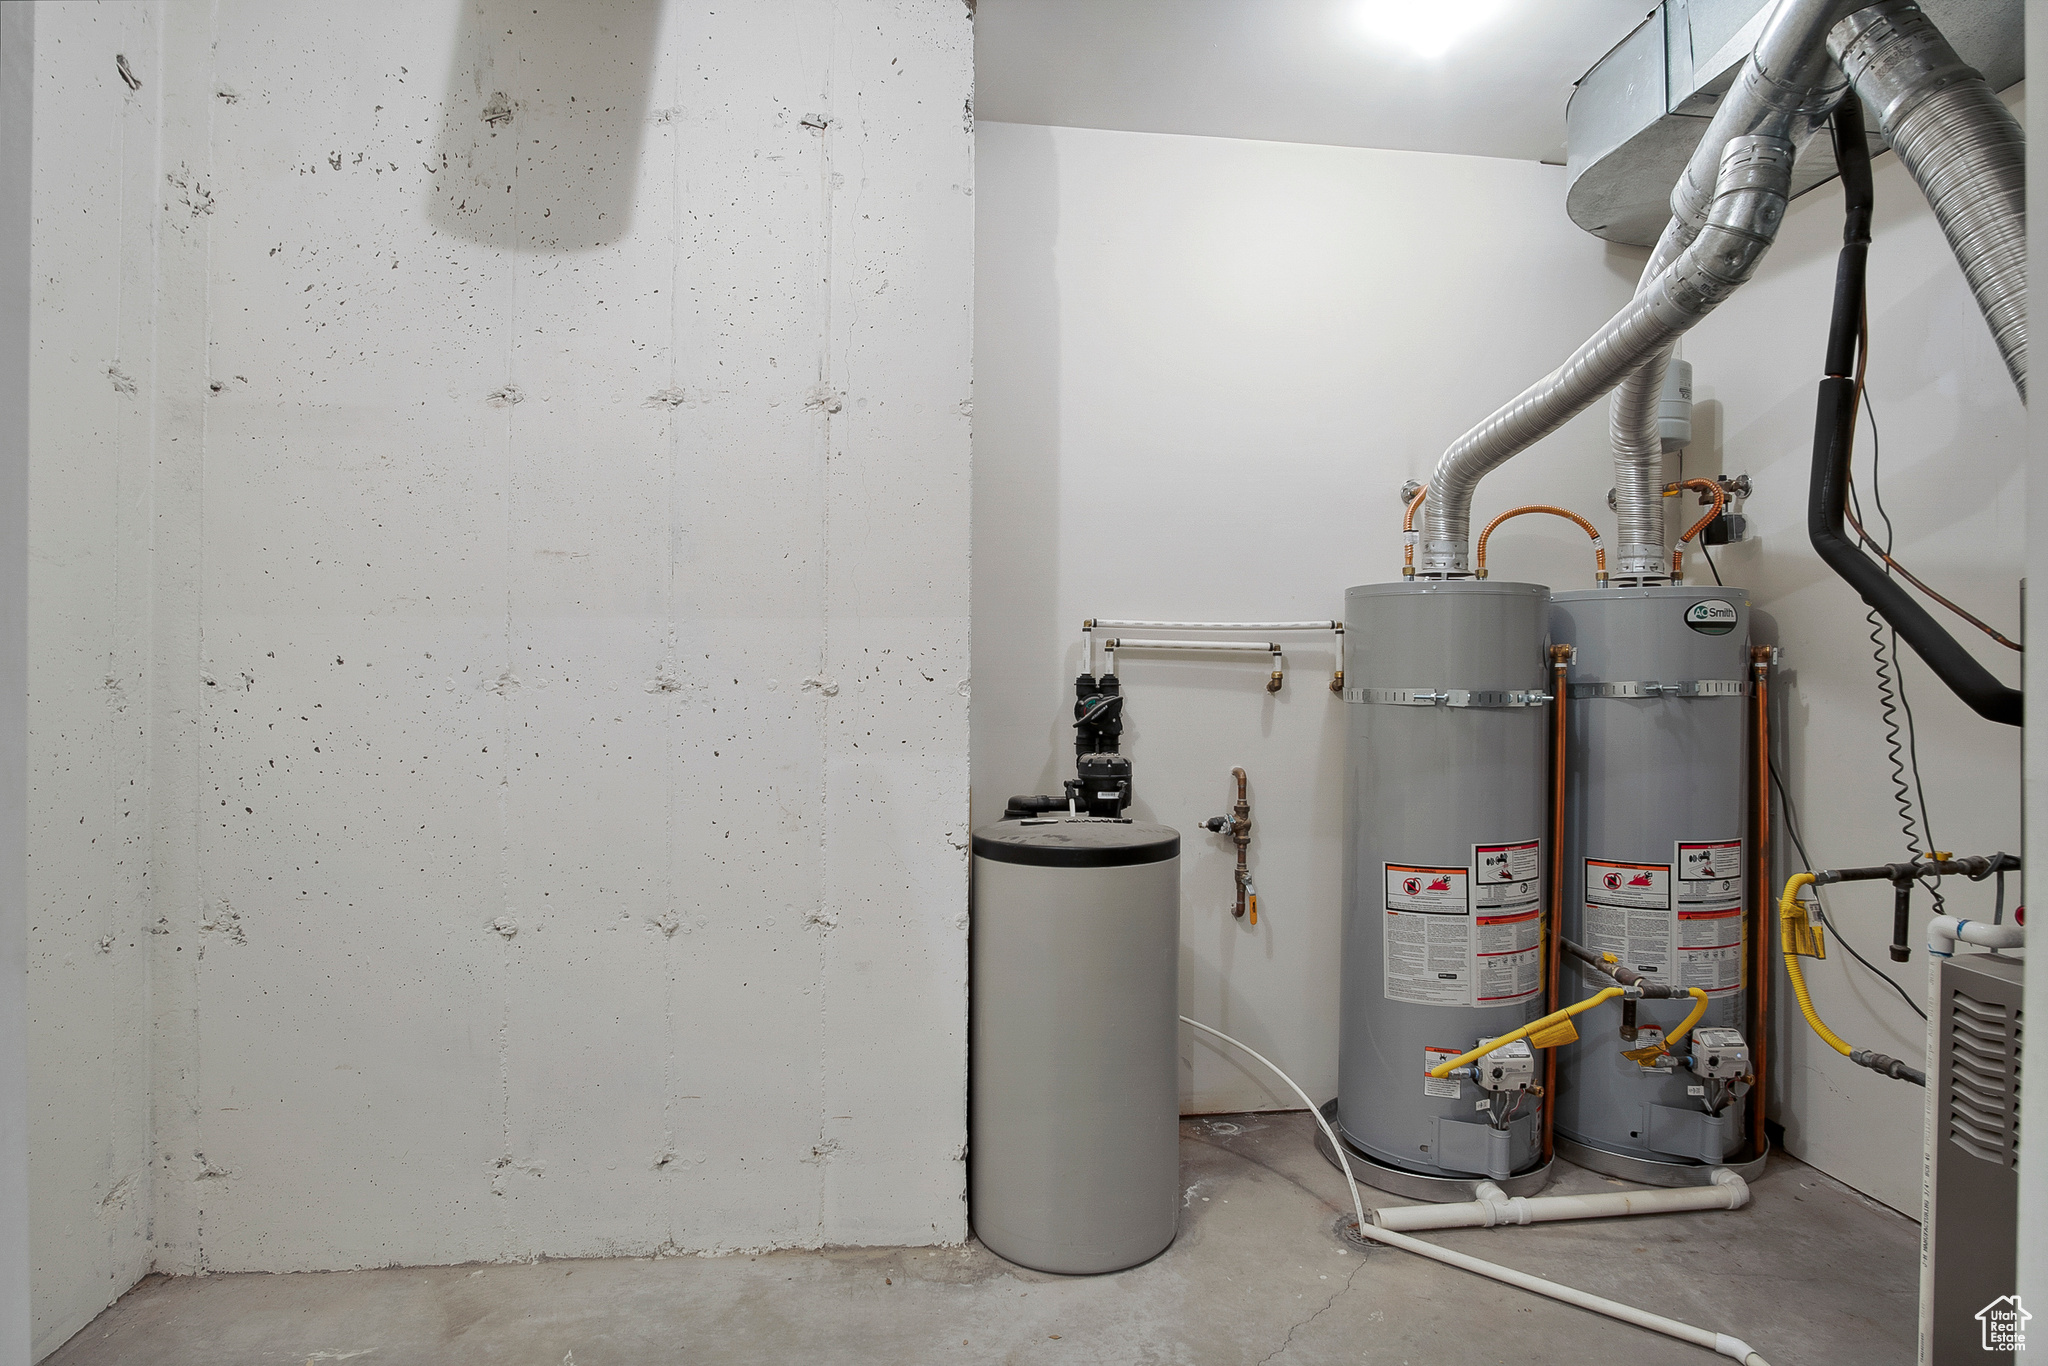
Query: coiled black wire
(1902,748)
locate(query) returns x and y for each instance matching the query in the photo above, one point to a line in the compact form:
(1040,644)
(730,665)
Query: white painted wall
(1205,367)
(1953,467)
(2032,1283)
(549,686)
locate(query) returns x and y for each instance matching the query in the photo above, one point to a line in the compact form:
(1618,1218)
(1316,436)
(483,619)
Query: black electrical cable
(1791,810)
(1896,682)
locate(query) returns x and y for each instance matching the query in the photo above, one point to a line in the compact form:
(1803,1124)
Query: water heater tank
(1445,876)
(1074,1116)
(1657,867)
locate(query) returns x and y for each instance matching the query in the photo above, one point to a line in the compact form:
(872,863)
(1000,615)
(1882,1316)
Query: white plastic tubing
(1731,1347)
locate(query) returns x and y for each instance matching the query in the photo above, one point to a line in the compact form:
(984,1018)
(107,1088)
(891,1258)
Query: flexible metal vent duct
(1963,148)
(1785,91)
(1747,208)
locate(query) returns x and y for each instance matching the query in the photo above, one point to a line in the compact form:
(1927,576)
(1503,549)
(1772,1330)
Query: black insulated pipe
(1852,156)
(1834,436)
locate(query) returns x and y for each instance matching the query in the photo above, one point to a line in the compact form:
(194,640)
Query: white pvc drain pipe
(1722,1343)
(1495,1206)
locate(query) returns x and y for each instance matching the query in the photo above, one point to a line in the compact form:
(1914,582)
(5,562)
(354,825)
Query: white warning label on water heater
(1442,1088)
(1466,936)
(1709,915)
(1507,922)
(1427,952)
(1628,914)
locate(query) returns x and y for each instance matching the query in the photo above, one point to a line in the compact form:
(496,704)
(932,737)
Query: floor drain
(1346,1229)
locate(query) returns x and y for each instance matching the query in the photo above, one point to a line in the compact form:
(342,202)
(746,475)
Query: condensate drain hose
(1732,1347)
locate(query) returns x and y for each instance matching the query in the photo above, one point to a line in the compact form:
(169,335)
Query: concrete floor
(1810,1273)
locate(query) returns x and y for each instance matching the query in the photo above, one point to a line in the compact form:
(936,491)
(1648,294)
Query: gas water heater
(1657,863)
(1444,881)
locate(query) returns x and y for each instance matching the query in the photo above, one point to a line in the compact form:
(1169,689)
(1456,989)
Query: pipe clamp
(1491,698)
(1701,687)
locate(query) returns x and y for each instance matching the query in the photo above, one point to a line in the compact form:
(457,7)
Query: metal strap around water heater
(1700,687)
(1449,697)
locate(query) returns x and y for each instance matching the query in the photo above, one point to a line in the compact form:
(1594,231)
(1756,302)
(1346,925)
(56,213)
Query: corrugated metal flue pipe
(1952,133)
(1962,147)
(1638,470)
(1786,89)
(1748,205)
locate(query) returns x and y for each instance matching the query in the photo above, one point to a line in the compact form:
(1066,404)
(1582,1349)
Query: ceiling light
(1426,28)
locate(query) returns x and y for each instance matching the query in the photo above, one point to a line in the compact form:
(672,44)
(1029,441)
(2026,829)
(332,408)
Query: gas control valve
(1720,1054)
(1511,1067)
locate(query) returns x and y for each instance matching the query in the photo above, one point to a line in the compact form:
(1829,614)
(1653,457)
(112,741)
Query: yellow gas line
(1556,1028)
(1801,936)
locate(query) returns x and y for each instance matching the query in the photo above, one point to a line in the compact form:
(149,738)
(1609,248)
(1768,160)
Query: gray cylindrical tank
(1074,1116)
(1445,864)
(1655,854)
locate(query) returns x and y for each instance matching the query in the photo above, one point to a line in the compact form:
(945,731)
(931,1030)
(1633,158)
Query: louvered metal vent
(1983,1109)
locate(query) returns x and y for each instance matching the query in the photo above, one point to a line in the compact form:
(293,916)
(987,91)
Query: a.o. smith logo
(1712,617)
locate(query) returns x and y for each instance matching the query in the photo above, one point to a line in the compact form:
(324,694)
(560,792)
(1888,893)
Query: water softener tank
(1074,1112)
(1655,865)
(1445,876)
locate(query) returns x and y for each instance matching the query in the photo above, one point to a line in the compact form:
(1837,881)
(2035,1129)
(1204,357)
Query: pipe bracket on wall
(1273,684)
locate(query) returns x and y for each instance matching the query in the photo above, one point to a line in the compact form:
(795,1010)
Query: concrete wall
(17,155)
(552,702)
(93,402)
(1206,367)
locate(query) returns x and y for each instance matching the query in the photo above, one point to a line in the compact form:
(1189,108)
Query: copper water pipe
(1241,831)
(1560,658)
(1599,551)
(1720,501)
(1408,532)
(1760,657)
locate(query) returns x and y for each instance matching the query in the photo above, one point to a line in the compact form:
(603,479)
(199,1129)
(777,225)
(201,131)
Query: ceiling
(1295,70)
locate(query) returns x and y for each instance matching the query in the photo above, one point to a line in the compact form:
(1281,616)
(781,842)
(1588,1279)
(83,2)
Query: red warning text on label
(1645,885)
(1426,891)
